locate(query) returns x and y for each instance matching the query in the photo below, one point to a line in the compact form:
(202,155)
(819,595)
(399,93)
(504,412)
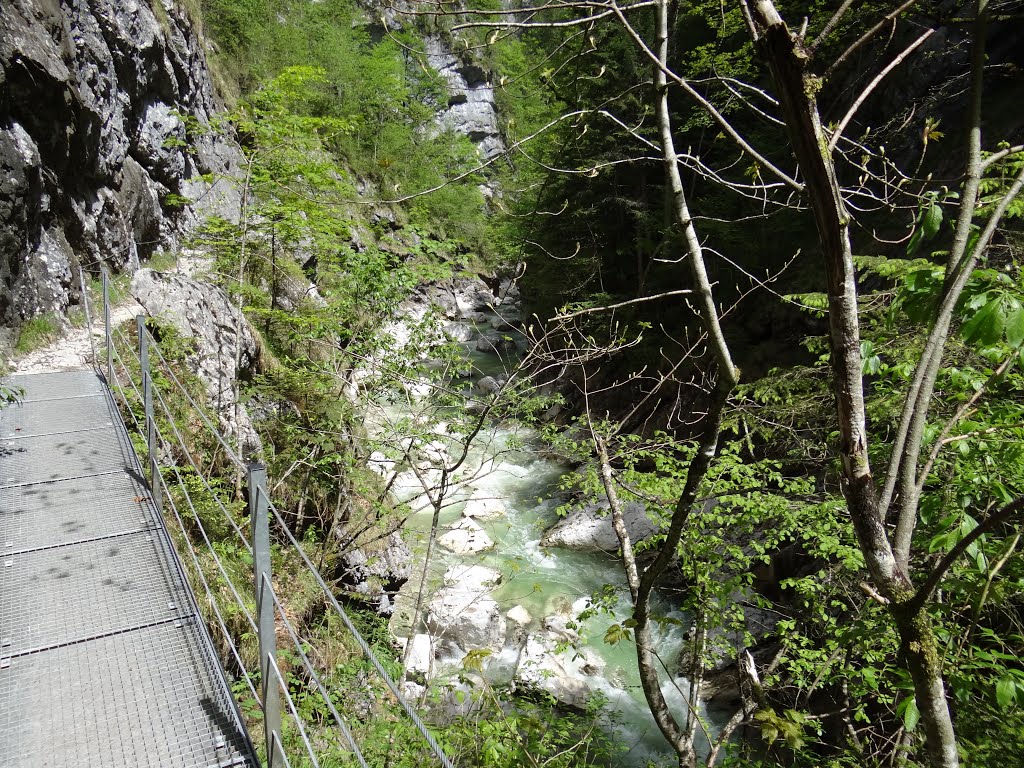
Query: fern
(885,267)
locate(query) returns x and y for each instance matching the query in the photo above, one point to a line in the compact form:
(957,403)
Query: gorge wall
(96,165)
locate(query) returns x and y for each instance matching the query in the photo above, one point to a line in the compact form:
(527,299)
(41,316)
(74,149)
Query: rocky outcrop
(220,335)
(94,159)
(589,529)
(470,109)
(376,573)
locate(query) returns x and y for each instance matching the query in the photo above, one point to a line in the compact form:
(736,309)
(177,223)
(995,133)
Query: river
(505,463)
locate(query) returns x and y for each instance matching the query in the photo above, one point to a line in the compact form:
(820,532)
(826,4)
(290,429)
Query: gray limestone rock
(470,109)
(484,505)
(468,617)
(161,133)
(376,572)
(488,385)
(91,145)
(562,673)
(589,528)
(220,333)
(466,537)
(496,343)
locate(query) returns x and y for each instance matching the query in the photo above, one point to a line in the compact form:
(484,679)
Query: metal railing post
(260,521)
(88,318)
(107,329)
(155,489)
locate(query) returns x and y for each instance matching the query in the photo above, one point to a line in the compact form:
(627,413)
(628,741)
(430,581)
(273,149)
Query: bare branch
(862,97)
(610,307)
(867,36)
(706,105)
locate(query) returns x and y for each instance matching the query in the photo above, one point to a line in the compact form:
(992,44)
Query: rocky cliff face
(94,158)
(471,109)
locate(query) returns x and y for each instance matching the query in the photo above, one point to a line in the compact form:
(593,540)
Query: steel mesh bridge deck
(104,660)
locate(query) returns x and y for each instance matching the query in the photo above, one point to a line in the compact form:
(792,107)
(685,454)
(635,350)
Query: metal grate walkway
(103,658)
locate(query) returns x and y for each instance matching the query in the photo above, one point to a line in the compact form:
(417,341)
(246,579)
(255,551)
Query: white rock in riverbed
(562,674)
(472,578)
(420,657)
(466,537)
(519,615)
(413,691)
(589,529)
(459,332)
(489,385)
(483,504)
(470,619)
(562,626)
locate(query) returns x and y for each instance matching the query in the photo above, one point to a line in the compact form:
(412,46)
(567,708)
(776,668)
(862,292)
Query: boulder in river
(460,332)
(466,537)
(483,504)
(419,658)
(519,615)
(562,673)
(380,464)
(489,385)
(472,578)
(470,618)
(377,570)
(506,321)
(495,343)
(589,528)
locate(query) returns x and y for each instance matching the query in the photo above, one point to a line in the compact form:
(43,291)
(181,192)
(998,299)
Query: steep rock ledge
(92,148)
(225,346)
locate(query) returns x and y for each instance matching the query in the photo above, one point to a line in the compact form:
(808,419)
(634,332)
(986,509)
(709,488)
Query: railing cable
(325,695)
(199,411)
(199,472)
(88,318)
(211,599)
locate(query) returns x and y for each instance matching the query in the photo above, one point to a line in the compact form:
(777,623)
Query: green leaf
(870,677)
(474,660)
(616,633)
(1015,326)
(1006,692)
(915,242)
(986,326)
(932,221)
(911,714)
(871,363)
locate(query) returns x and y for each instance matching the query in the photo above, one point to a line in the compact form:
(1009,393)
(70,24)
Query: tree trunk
(921,652)
(798,87)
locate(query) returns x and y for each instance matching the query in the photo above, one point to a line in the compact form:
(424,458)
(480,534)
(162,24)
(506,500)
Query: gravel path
(73,352)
